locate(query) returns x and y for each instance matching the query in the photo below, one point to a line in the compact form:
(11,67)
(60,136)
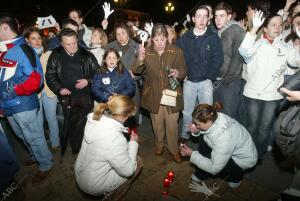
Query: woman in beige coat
(161,65)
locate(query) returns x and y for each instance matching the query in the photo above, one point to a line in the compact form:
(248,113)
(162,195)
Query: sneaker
(195,178)
(270,148)
(177,157)
(41,176)
(158,150)
(30,163)
(234,185)
(55,149)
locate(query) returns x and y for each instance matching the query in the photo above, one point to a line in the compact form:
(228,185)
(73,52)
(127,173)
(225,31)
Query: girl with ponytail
(227,148)
(106,160)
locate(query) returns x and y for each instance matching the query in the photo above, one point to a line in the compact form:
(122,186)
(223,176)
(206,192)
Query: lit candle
(170,175)
(166,182)
(165,193)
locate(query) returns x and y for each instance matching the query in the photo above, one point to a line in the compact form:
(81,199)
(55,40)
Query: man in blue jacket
(21,76)
(203,56)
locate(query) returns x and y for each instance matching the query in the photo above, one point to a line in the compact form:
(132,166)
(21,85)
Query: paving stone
(152,187)
(228,196)
(169,197)
(245,190)
(261,194)
(133,195)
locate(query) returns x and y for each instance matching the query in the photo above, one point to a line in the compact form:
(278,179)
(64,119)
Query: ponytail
(205,112)
(116,105)
(99,110)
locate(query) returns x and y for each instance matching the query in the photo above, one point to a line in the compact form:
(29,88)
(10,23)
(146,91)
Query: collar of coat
(227,25)
(191,34)
(6,45)
(222,123)
(276,40)
(168,49)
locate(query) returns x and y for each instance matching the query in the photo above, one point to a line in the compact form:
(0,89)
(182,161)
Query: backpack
(287,129)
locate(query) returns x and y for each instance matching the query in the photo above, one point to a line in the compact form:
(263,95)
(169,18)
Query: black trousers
(80,107)
(231,172)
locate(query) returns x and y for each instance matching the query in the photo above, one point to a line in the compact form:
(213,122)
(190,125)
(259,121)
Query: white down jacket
(228,139)
(106,159)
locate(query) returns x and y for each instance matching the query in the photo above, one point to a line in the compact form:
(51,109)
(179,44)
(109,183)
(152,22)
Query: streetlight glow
(169,7)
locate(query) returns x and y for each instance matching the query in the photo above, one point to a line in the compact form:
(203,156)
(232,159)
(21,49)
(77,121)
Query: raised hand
(297,30)
(281,12)
(243,24)
(258,19)
(175,24)
(143,34)
(104,24)
(184,23)
(188,17)
(142,53)
(148,27)
(107,11)
(289,2)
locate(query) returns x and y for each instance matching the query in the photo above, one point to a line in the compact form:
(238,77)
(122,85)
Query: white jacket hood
(105,122)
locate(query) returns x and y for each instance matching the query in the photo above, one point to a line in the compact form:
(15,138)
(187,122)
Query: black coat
(53,76)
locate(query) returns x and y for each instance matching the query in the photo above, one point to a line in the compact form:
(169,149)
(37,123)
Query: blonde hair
(103,36)
(116,105)
(171,33)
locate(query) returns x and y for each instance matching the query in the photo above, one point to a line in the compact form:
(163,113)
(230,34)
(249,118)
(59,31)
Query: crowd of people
(222,75)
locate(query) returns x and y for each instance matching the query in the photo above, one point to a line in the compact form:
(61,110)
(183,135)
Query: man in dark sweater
(70,69)
(227,88)
(203,56)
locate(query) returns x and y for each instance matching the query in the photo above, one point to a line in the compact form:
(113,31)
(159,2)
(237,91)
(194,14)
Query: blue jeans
(9,164)
(229,96)
(28,128)
(261,116)
(48,107)
(203,91)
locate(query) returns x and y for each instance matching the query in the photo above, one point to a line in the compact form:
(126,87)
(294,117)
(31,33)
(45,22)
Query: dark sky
(27,11)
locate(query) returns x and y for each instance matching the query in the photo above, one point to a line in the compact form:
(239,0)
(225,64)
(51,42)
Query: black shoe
(30,163)
(259,162)
(74,152)
(287,197)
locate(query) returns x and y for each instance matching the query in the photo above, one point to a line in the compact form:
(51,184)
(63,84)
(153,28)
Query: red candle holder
(166,182)
(165,193)
(170,175)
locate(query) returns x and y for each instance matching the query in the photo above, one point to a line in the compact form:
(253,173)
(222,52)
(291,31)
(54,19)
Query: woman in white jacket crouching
(106,160)
(228,148)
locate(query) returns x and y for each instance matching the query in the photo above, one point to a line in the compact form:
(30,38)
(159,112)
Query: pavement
(263,184)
